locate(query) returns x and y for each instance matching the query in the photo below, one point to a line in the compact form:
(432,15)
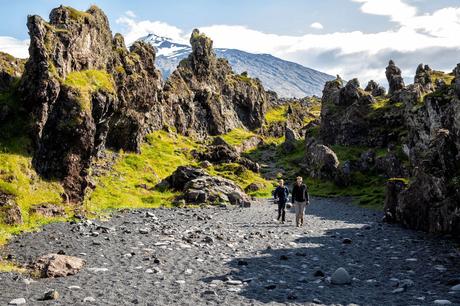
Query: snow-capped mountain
(286,78)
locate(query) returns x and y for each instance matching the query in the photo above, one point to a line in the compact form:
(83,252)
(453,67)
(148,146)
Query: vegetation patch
(87,82)
(276,114)
(237,136)
(440,75)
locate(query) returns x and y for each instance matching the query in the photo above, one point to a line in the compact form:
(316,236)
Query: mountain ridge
(288,79)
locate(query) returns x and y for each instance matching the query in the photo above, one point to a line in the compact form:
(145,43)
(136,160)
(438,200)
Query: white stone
(20,301)
(455,288)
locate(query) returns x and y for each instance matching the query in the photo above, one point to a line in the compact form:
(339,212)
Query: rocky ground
(239,256)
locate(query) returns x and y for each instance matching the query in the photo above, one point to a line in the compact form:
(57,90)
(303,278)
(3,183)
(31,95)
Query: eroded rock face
(199,187)
(81,84)
(206,97)
(54,265)
(11,69)
(431,200)
(395,80)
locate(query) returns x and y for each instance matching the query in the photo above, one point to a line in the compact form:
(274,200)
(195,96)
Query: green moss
(243,77)
(381,103)
(440,75)
(76,14)
(87,82)
(120,69)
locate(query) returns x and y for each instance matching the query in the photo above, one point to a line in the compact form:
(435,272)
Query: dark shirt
(300,193)
(281,193)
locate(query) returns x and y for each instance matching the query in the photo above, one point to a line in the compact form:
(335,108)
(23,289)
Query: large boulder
(55,265)
(198,187)
(320,161)
(206,97)
(291,138)
(221,152)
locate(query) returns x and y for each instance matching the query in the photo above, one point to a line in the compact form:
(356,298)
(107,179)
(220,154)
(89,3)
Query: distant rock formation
(395,80)
(207,98)
(375,89)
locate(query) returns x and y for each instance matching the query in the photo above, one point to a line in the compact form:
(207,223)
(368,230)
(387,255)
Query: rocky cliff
(207,98)
(410,136)
(430,200)
(85,91)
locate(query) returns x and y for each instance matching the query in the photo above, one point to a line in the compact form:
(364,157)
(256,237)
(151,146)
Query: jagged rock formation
(395,80)
(207,98)
(430,200)
(81,84)
(198,187)
(348,118)
(423,78)
(375,89)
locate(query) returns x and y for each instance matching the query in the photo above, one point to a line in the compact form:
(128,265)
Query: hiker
(300,200)
(281,195)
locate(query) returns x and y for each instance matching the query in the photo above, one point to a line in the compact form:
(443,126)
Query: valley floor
(239,256)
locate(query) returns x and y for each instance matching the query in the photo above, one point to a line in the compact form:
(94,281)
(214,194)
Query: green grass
(367,191)
(276,114)
(120,188)
(237,136)
(87,82)
(18,178)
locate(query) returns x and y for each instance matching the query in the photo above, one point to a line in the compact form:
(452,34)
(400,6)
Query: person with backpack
(281,195)
(300,199)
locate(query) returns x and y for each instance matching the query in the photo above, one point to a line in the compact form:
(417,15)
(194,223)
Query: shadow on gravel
(300,274)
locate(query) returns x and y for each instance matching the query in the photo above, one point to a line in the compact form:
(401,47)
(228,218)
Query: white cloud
(316,25)
(15,47)
(130,14)
(134,30)
(397,10)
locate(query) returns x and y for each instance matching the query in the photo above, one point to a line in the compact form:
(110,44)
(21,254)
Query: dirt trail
(239,256)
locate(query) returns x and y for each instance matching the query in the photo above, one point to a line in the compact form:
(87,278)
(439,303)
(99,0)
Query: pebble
(455,288)
(234,282)
(97,270)
(347,241)
(340,277)
(399,290)
(318,273)
(51,295)
(20,301)
(442,302)
(74,287)
(89,299)
(143,231)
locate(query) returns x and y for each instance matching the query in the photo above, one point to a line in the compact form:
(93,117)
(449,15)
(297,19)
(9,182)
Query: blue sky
(354,38)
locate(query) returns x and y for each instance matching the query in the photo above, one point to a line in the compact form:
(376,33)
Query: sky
(353,38)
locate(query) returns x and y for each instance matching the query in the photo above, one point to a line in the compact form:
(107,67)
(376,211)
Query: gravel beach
(240,256)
